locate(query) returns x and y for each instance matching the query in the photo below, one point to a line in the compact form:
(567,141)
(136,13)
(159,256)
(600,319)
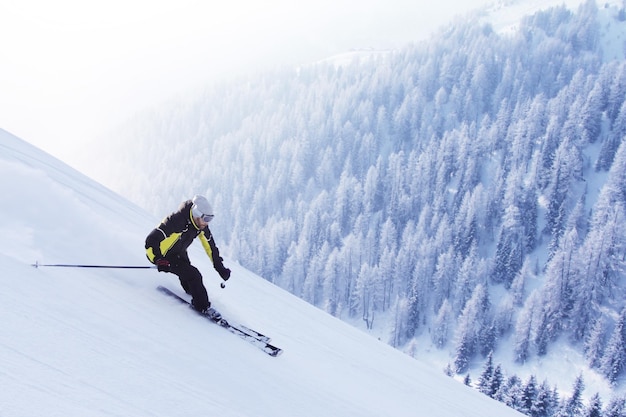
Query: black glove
(163,265)
(224,273)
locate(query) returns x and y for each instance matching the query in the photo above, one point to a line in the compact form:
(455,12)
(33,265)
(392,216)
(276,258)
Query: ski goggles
(207,217)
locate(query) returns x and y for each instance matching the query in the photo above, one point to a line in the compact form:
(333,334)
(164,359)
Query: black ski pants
(191,281)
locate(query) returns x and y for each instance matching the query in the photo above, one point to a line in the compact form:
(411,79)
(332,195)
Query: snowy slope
(506,15)
(97,342)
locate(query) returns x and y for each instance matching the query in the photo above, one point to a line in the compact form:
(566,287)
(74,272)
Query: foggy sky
(70,70)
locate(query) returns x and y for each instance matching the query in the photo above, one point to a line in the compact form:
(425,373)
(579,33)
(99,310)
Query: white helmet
(201,207)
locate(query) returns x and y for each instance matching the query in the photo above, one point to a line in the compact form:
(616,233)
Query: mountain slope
(396,187)
(81,342)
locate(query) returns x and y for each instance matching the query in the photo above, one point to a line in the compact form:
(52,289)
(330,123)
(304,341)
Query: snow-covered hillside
(506,15)
(98,342)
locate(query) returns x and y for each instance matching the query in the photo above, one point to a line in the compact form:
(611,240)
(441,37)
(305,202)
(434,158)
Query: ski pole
(37,265)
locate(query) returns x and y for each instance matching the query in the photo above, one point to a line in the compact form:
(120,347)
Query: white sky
(72,69)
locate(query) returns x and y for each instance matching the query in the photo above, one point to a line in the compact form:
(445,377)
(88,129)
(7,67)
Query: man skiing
(166,247)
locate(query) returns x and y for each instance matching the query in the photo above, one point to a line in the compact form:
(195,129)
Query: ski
(254,333)
(245,329)
(252,336)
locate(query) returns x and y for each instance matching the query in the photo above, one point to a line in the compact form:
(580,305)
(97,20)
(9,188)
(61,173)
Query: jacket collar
(192,220)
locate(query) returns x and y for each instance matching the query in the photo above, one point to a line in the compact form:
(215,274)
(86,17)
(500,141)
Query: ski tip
(276,353)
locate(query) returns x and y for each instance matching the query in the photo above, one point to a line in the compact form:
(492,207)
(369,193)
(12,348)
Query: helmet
(201,207)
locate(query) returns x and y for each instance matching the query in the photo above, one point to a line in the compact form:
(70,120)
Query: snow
(613,31)
(104,342)
(506,15)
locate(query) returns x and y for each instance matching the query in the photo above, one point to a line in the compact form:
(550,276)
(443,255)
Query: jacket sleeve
(153,244)
(211,249)
(169,229)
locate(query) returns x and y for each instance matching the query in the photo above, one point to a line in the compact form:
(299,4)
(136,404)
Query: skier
(166,247)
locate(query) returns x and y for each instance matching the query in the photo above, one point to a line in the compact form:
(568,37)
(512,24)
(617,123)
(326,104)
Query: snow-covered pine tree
(594,409)
(484,380)
(613,361)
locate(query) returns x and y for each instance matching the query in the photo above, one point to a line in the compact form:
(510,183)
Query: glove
(224,273)
(163,265)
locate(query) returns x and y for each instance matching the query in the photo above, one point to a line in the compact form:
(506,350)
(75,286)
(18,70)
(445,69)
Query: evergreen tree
(512,392)
(510,250)
(398,331)
(444,279)
(544,332)
(559,290)
(418,295)
(604,250)
(313,283)
(484,381)
(583,312)
(612,142)
(466,223)
(523,328)
(595,342)
(464,352)
(578,220)
(503,316)
(468,274)
(519,282)
(487,338)
(601,254)
(614,359)
(441,325)
(474,318)
(615,407)
(528,207)
(334,288)
(528,395)
(592,114)
(594,409)
(573,406)
(496,381)
(467,381)
(559,189)
(617,92)
(543,405)
(388,244)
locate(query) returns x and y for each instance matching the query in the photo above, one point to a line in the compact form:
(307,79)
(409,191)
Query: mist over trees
(417,184)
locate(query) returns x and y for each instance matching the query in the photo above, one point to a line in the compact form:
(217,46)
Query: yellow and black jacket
(173,236)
